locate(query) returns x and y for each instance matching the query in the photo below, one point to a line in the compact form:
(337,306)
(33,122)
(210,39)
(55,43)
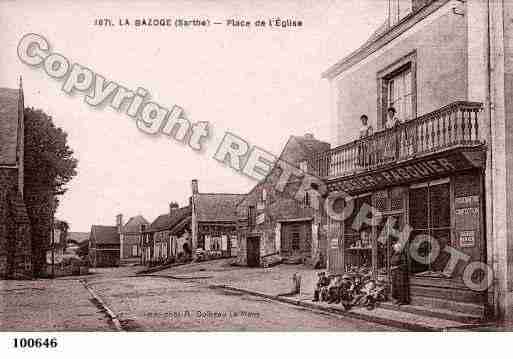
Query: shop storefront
(440,216)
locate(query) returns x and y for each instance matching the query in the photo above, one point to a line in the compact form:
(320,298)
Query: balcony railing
(456,124)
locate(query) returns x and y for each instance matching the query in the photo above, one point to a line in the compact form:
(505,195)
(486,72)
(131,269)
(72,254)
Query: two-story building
(443,170)
(104,246)
(278,224)
(168,238)
(214,222)
(130,238)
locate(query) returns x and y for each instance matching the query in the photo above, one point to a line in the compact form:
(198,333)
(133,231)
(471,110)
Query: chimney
(119,222)
(194,185)
(172,207)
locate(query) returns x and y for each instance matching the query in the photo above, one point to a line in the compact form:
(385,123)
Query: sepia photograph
(257,166)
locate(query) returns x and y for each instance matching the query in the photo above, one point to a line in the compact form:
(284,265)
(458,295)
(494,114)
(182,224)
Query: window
(397,84)
(135,250)
(264,195)
(398,10)
(251,217)
(430,215)
(399,94)
(303,166)
(295,241)
(306,200)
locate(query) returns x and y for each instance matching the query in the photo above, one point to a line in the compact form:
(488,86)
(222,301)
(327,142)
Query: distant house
(283,225)
(168,238)
(78,237)
(76,241)
(130,237)
(15,238)
(104,246)
(214,222)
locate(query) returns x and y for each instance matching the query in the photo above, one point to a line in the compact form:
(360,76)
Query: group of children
(349,290)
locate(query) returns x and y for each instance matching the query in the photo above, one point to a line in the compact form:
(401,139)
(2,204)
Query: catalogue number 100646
(35,343)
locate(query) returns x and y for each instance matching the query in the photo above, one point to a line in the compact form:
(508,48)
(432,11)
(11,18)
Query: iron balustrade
(456,124)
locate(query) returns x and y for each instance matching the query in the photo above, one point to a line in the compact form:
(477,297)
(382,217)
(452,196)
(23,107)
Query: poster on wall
(467,239)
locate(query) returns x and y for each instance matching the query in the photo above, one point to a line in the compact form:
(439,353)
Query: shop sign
(466,201)
(260,218)
(467,211)
(407,173)
(467,239)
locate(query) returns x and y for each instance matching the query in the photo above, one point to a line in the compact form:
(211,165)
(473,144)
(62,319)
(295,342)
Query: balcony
(452,126)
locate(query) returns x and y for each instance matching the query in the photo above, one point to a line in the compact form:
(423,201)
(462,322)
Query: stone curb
(370,318)
(113,317)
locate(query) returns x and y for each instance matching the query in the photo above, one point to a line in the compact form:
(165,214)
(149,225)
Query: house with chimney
(130,238)
(168,238)
(275,223)
(435,81)
(214,223)
(15,236)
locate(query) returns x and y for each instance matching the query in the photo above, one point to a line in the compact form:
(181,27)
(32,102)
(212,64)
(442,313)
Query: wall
(441,48)
(8,178)
(129,240)
(278,206)
(15,232)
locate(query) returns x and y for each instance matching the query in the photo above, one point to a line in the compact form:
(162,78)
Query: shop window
(430,215)
(357,240)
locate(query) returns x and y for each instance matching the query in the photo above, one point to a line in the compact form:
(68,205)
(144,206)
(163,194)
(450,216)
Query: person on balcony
(392,120)
(392,142)
(363,149)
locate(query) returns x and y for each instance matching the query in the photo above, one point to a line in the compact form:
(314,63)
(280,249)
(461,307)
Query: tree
(49,166)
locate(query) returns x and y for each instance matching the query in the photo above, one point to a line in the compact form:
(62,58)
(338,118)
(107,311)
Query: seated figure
(321,287)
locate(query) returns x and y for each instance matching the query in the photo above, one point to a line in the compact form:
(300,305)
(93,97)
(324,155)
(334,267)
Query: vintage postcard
(256,166)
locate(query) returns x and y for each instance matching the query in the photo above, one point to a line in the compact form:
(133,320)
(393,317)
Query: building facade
(275,223)
(130,238)
(104,246)
(15,236)
(214,223)
(168,238)
(442,172)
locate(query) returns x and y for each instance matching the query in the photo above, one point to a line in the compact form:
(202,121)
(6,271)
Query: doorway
(253,251)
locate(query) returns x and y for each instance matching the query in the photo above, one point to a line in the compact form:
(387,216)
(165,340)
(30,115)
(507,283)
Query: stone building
(104,246)
(283,225)
(214,222)
(168,238)
(130,238)
(15,238)
(446,67)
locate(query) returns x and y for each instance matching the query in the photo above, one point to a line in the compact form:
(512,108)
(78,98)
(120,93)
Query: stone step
(435,313)
(470,310)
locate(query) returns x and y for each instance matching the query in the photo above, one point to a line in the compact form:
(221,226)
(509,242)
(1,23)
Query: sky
(261,84)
